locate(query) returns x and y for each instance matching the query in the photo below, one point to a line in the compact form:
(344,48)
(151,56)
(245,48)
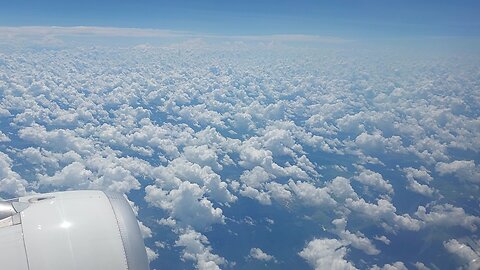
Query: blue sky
(346,18)
(348,139)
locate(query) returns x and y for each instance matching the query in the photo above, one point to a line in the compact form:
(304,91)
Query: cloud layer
(348,148)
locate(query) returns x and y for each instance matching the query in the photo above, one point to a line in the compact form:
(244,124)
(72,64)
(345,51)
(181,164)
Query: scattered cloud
(393,266)
(469,257)
(194,126)
(465,170)
(10,181)
(326,254)
(447,215)
(196,248)
(258,254)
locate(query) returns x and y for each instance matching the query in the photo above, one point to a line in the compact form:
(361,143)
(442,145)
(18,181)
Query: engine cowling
(81,230)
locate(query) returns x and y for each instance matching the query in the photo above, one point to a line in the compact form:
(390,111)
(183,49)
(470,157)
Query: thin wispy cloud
(39,33)
(89,30)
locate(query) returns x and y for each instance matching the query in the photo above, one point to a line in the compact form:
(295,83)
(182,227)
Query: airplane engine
(81,230)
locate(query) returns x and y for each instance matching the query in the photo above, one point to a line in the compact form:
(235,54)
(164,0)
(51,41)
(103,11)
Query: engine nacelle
(81,230)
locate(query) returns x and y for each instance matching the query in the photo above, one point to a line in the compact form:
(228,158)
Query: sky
(255,134)
(346,18)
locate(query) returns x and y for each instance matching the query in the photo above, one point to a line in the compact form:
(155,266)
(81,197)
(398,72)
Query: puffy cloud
(4,137)
(210,136)
(255,177)
(10,181)
(200,116)
(111,173)
(295,172)
(341,189)
(165,138)
(261,196)
(203,156)
(326,254)
(319,125)
(421,174)
(296,137)
(383,239)
(279,141)
(384,211)
(278,191)
(429,150)
(180,170)
(187,204)
(304,163)
(311,195)
(374,180)
(377,143)
(38,157)
(138,168)
(363,120)
(258,254)
(72,175)
(60,140)
(393,266)
(42,157)
(462,169)
(146,231)
(4,112)
(447,215)
(243,121)
(421,266)
(357,240)
(420,188)
(151,254)
(197,249)
(115,178)
(469,257)
(251,157)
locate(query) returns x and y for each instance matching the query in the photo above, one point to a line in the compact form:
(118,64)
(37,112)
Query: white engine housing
(81,230)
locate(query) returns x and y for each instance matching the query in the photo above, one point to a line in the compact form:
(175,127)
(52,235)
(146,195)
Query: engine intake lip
(6,210)
(129,231)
